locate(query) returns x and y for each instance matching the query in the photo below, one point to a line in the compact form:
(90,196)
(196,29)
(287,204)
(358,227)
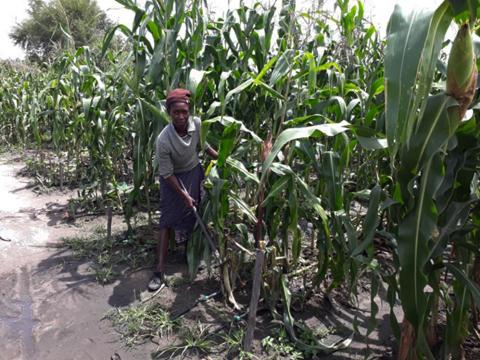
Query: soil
(52,306)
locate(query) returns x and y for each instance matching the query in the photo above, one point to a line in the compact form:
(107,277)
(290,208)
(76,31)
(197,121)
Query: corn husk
(462,70)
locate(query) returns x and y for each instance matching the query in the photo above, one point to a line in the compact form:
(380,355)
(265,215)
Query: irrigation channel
(52,305)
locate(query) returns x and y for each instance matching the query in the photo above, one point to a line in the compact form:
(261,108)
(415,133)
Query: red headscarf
(178,95)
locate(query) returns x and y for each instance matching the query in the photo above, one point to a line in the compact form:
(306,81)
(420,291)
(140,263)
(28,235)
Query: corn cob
(462,70)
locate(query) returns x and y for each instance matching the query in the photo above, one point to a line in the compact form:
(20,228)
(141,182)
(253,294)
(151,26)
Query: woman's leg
(162,249)
(158,278)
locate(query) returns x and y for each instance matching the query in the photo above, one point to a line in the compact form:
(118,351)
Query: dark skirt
(173,212)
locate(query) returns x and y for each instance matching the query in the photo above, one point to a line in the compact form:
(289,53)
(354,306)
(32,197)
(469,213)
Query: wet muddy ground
(50,304)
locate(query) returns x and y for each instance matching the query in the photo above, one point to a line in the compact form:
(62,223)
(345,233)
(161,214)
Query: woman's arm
(212,153)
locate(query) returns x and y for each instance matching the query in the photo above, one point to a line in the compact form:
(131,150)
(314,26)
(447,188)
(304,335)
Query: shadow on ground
(128,287)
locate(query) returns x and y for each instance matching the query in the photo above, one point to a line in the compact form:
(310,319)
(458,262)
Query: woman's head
(177,96)
(178,105)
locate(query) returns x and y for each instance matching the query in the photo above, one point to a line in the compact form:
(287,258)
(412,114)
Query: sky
(14,12)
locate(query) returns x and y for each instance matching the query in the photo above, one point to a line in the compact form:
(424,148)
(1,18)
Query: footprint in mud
(18,319)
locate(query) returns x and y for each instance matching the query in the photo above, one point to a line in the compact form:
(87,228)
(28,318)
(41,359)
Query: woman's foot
(156,281)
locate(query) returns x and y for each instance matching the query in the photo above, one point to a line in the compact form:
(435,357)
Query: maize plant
(294,102)
(433,162)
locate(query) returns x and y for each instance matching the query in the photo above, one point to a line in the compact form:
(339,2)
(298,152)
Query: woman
(181,175)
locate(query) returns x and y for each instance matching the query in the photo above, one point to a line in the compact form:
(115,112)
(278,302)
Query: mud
(51,307)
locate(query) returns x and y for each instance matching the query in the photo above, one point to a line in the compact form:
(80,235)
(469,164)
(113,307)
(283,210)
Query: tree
(59,24)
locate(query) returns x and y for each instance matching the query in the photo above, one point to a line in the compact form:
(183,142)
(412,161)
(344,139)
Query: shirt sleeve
(164,159)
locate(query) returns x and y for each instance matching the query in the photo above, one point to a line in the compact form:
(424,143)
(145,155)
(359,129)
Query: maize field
(345,158)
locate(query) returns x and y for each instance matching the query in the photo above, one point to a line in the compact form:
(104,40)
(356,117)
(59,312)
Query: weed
(139,323)
(279,346)
(196,340)
(107,255)
(234,341)
(176,281)
(105,275)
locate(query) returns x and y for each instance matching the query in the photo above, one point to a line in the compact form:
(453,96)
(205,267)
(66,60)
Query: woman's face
(179,113)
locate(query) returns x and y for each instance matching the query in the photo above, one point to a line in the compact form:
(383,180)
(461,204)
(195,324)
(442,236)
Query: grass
(46,170)
(196,340)
(278,345)
(233,341)
(108,256)
(143,322)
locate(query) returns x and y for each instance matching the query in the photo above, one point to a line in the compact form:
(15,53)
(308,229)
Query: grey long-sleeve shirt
(175,154)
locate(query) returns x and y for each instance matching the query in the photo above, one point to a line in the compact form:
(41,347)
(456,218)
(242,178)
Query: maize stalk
(462,70)
(476,279)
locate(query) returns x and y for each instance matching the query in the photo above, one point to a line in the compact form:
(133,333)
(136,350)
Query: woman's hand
(175,184)
(188,200)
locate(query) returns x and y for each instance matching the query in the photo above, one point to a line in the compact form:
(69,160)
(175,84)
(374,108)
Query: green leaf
(414,233)
(372,143)
(456,212)
(237,90)
(300,133)
(414,41)
(269,89)
(109,36)
(371,221)
(227,142)
(342,106)
(463,8)
(282,67)
(312,75)
(195,249)
(469,284)
(313,201)
(265,69)
(195,77)
(328,65)
(436,126)
(160,115)
(277,188)
(153,29)
(378,87)
(226,121)
(238,166)
(244,208)
(304,119)
(331,172)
